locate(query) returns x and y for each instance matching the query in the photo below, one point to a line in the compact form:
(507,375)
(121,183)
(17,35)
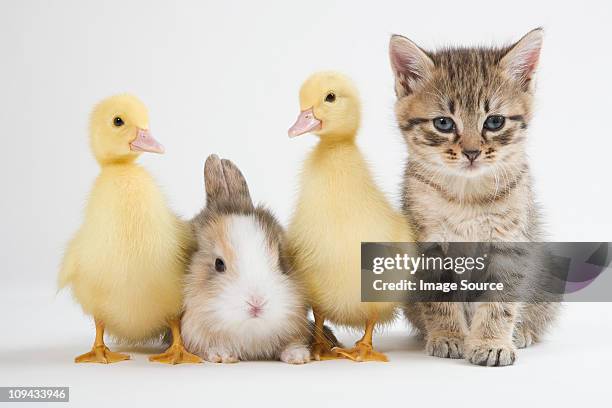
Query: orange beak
(306,122)
(144,142)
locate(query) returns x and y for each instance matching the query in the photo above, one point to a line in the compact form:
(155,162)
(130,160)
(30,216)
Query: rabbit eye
(117,121)
(331,97)
(219,265)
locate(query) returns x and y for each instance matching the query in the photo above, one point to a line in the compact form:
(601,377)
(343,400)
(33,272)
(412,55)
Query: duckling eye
(331,97)
(219,265)
(117,121)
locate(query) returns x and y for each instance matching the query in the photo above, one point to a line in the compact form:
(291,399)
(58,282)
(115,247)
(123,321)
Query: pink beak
(306,122)
(144,142)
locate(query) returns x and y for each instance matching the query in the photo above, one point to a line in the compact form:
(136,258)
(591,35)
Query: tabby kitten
(464,113)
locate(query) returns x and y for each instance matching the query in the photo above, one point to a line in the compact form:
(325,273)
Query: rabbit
(241,301)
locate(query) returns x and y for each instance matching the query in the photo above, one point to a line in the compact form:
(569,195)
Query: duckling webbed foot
(361,352)
(176,353)
(101,354)
(321,345)
(321,351)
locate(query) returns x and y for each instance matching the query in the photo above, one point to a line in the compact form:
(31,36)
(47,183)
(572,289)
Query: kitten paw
(219,355)
(445,345)
(295,355)
(491,354)
(523,337)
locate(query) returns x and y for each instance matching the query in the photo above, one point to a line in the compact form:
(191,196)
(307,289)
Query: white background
(223,77)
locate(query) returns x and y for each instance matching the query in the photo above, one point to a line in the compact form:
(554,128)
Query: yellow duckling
(339,206)
(126,263)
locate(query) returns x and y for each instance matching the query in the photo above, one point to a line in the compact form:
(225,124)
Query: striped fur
(448,198)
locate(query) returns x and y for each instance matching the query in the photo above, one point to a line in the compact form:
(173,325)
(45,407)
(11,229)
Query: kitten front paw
(491,353)
(220,355)
(296,355)
(523,337)
(445,345)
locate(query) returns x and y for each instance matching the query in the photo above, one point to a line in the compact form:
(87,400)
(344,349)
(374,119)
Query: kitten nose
(471,154)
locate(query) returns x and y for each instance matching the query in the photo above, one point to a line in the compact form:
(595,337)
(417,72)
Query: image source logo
(486,271)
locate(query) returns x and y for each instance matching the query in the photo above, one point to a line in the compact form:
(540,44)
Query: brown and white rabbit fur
(241,302)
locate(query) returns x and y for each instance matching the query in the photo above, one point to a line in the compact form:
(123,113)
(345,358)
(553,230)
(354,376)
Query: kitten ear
(411,65)
(521,60)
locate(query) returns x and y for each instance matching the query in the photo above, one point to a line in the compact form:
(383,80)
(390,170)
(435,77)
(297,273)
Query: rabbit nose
(257,301)
(256,305)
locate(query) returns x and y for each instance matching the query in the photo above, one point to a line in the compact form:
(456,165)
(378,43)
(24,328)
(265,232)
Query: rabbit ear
(238,190)
(214,180)
(225,184)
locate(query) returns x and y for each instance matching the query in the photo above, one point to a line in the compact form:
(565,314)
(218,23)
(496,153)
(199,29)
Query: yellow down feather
(125,264)
(339,206)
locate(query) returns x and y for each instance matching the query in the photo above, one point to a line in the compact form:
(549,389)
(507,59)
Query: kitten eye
(117,121)
(494,122)
(219,265)
(331,97)
(444,124)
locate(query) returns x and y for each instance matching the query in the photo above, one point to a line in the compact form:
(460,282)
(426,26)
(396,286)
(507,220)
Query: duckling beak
(144,142)
(306,122)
